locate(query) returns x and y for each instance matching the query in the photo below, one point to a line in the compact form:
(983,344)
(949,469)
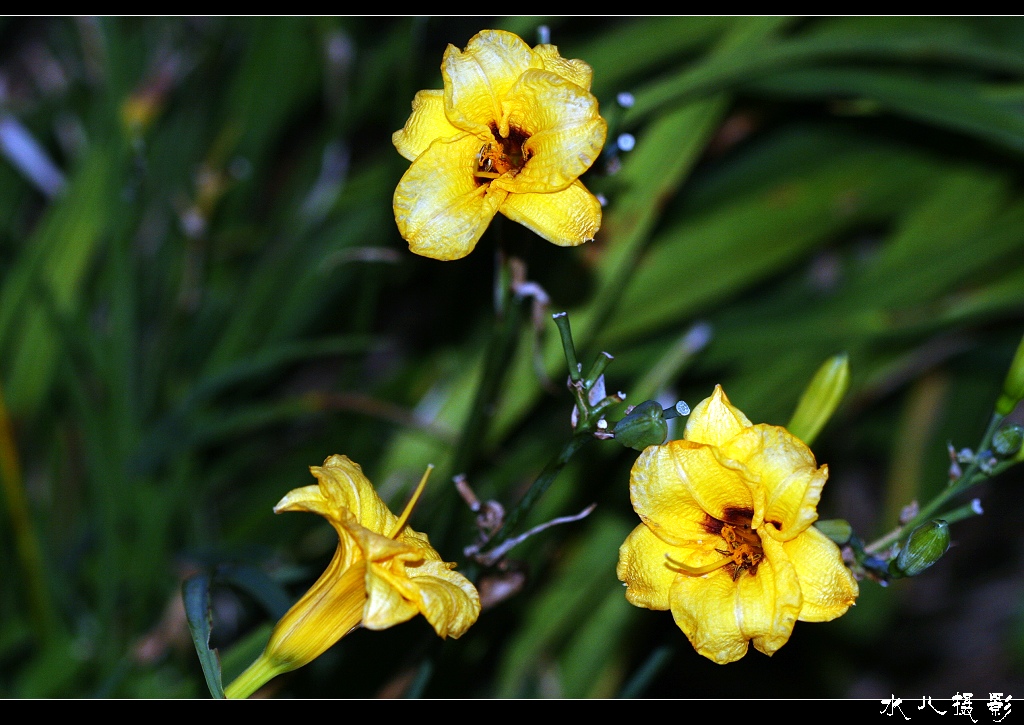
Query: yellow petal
(645,570)
(324,614)
(677,486)
(400,588)
(577,71)
(565,132)
(476,81)
(788,473)
(719,615)
(447,600)
(714,420)
(828,587)
(426,124)
(342,491)
(441,209)
(566,218)
(386,602)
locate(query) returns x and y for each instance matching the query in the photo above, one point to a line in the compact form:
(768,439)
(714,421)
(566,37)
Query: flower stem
(255,676)
(543,482)
(961,484)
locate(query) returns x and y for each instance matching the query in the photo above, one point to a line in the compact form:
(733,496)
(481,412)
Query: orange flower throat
(743,550)
(499,157)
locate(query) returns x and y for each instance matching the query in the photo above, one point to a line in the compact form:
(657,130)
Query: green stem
(965,481)
(255,676)
(543,482)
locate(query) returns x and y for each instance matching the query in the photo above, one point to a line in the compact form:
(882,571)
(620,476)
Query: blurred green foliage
(216,297)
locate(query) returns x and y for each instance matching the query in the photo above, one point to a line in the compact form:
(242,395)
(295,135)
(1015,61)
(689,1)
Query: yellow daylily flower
(382,574)
(511,132)
(726,541)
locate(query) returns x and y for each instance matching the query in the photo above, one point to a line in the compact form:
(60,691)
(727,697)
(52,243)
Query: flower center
(502,156)
(743,550)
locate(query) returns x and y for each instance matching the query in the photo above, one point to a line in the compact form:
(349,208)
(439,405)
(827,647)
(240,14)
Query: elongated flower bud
(644,426)
(1013,386)
(821,398)
(926,545)
(839,530)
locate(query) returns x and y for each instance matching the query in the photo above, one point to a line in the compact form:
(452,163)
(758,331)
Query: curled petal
(788,474)
(577,71)
(475,80)
(440,208)
(644,568)
(678,487)
(568,217)
(343,491)
(715,420)
(720,615)
(445,598)
(565,132)
(828,587)
(426,124)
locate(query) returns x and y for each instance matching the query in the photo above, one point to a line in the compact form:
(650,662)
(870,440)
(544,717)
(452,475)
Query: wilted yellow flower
(726,541)
(512,131)
(382,573)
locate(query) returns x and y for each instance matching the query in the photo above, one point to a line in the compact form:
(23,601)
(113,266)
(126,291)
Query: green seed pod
(839,530)
(644,426)
(821,398)
(1013,386)
(926,545)
(1007,442)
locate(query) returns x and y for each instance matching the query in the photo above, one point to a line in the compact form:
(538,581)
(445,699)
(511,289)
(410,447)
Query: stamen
(412,503)
(699,570)
(486,174)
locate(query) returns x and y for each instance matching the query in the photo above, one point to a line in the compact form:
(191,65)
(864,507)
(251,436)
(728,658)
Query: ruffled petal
(719,615)
(568,217)
(714,420)
(426,124)
(771,599)
(644,568)
(704,607)
(677,488)
(447,600)
(386,603)
(828,587)
(565,132)
(788,473)
(477,79)
(577,71)
(440,208)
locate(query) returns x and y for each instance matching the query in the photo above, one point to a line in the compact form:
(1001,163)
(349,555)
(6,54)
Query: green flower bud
(1013,386)
(644,426)
(1007,441)
(839,530)
(926,545)
(821,398)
